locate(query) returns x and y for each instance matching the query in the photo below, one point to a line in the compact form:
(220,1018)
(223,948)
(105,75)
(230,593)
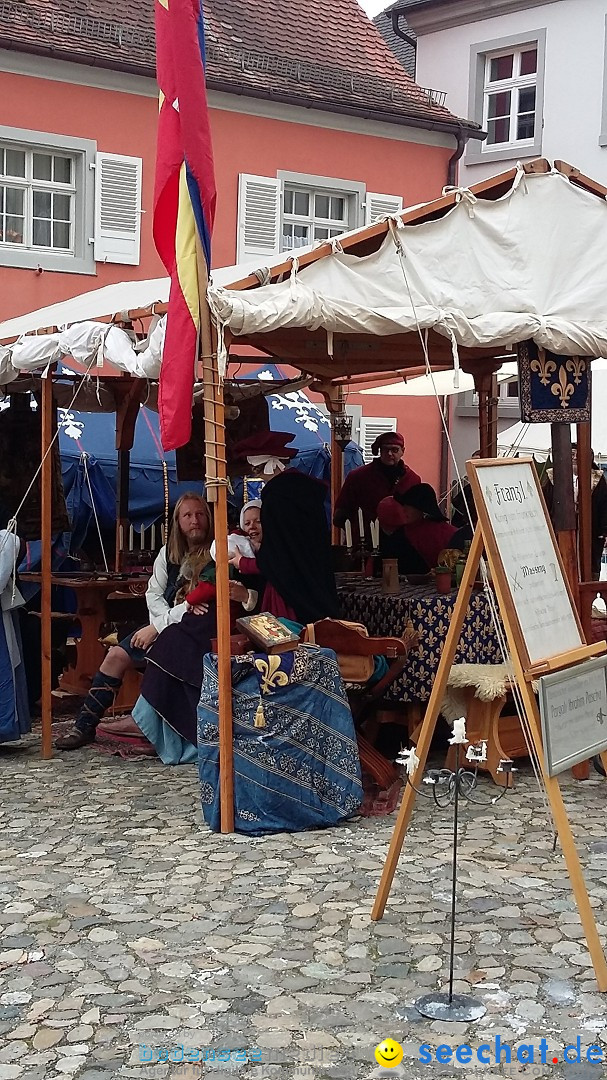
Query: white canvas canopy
(489,273)
(522,258)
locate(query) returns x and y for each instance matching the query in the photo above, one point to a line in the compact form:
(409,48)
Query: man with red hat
(367,486)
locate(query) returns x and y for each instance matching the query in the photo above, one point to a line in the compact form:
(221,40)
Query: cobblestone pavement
(126,925)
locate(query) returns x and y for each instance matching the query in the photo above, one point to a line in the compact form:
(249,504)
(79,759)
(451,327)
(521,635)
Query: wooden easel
(524,671)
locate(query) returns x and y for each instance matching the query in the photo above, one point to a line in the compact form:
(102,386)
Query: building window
(311,214)
(506,97)
(37,196)
(510,93)
(296,210)
(47,201)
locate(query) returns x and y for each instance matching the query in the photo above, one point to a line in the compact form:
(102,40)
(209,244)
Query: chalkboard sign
(526,548)
(573,708)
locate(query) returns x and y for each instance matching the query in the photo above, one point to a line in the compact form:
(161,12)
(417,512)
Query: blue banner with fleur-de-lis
(553,389)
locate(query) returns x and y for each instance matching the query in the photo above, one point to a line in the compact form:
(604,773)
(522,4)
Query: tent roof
(124,297)
(519,256)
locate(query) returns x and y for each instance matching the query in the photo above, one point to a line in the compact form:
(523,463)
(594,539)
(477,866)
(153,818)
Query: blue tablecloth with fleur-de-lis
(430,612)
(301,769)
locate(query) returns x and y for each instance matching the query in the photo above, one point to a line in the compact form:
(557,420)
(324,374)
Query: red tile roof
(319,53)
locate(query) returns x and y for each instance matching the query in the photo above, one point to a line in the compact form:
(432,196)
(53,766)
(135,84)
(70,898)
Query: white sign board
(573,708)
(526,548)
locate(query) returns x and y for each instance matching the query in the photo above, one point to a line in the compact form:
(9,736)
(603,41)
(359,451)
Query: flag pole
(217,493)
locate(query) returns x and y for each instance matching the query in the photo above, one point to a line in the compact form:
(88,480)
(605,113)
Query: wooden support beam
(485,384)
(584,474)
(563,505)
(46,524)
(122,505)
(334,399)
(217,494)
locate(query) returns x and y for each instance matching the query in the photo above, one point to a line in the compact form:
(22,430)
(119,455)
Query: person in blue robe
(14,709)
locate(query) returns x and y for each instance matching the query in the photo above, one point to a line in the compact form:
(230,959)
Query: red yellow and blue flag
(184,203)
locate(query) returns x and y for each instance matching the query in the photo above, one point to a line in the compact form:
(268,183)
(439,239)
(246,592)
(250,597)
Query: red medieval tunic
(367,486)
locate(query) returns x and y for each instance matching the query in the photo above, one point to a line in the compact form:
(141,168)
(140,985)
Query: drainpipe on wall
(412,41)
(462,139)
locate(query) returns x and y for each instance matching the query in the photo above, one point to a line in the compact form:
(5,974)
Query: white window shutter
(370,428)
(117,208)
(258,216)
(380,206)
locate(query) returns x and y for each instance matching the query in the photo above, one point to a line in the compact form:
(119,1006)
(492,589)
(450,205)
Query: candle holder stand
(459,784)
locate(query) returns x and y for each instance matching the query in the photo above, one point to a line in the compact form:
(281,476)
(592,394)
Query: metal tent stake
(450,1006)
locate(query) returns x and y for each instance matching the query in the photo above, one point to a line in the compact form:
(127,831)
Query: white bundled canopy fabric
(85,340)
(530,265)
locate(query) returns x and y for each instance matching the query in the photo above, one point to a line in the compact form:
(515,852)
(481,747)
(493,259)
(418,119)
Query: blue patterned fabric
(553,389)
(429,613)
(301,770)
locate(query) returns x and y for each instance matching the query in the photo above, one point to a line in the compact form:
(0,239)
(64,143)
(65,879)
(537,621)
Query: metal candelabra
(461,783)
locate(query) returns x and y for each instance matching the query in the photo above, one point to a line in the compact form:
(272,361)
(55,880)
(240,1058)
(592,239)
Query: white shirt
(161,613)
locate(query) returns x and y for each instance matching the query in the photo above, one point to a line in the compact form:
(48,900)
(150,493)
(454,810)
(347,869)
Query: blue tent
(90,462)
(94,435)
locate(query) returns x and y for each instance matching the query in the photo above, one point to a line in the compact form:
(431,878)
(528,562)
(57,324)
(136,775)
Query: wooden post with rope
(46,528)
(216,481)
(520,609)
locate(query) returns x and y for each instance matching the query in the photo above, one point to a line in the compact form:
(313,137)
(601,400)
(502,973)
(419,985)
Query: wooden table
(92,594)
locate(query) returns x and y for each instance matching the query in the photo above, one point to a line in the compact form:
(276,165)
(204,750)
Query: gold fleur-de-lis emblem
(545,368)
(271,675)
(577,365)
(563,389)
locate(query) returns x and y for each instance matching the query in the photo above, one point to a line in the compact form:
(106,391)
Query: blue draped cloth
(14,708)
(301,770)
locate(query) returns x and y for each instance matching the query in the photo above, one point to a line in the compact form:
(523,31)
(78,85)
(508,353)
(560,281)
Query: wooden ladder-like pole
(46,525)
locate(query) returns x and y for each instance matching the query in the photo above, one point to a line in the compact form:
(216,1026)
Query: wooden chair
(365,700)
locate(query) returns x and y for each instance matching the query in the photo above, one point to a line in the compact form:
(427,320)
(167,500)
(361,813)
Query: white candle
(131,537)
(121,538)
(375,534)
(459,731)
(361,523)
(142,538)
(153,540)
(348,532)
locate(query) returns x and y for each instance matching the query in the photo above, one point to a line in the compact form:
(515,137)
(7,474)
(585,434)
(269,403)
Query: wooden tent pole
(46,524)
(584,470)
(122,507)
(563,505)
(217,493)
(337,460)
(564,521)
